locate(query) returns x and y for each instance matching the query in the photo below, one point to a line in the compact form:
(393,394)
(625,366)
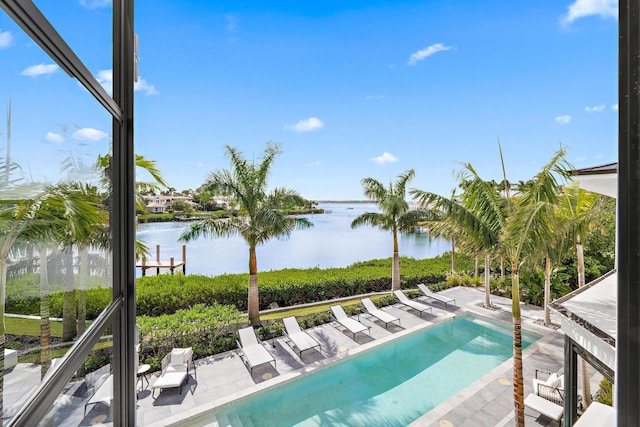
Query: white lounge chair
(418,306)
(102,392)
(302,340)
(254,352)
(383,316)
(544,407)
(438,297)
(175,369)
(549,386)
(351,324)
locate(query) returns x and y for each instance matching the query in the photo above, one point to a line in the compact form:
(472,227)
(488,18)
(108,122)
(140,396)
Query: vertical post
(123,218)
(571,382)
(158,259)
(171,261)
(628,339)
(144,262)
(184,259)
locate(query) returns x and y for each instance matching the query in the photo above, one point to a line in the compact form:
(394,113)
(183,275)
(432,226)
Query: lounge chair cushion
(177,357)
(170,379)
(544,406)
(552,381)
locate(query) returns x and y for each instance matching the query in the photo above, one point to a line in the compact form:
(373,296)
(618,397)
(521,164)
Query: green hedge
(207,329)
(166,294)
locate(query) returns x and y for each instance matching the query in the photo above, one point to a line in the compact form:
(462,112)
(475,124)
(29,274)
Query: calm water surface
(329,243)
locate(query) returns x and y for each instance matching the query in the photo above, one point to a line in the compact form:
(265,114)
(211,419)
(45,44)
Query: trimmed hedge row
(166,294)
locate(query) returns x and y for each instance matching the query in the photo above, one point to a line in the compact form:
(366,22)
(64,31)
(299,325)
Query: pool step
(246,421)
(222,420)
(235,421)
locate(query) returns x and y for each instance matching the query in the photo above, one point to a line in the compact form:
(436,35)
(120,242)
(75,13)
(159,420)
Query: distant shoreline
(344,201)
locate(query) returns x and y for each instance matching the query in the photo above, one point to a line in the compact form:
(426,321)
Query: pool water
(390,385)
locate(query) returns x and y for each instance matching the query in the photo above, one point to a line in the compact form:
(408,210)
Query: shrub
(206,329)
(605,394)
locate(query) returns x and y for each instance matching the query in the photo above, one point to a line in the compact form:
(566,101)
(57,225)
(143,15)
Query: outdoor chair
(352,325)
(438,297)
(175,369)
(549,386)
(418,306)
(296,336)
(383,316)
(252,349)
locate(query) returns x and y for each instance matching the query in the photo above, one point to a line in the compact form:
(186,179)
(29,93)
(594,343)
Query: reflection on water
(329,243)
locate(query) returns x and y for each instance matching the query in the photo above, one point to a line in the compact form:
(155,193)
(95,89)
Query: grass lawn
(20,326)
(303,311)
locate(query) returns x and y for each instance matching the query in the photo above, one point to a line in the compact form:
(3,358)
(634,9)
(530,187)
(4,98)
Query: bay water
(331,242)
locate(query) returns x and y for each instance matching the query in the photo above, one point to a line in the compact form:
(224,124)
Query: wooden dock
(172,264)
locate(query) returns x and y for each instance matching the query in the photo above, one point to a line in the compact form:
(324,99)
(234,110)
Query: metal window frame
(628,339)
(121,312)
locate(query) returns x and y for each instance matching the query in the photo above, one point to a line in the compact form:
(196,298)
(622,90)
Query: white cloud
(614,107)
(428,51)
(145,86)
(39,70)
(563,120)
(595,109)
(54,137)
(315,164)
(6,39)
(307,125)
(105,78)
(232,22)
(374,97)
(89,134)
(582,8)
(95,4)
(385,158)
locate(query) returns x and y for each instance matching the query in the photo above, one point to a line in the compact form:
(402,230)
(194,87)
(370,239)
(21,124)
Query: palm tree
(581,210)
(258,219)
(395,214)
(478,218)
(528,229)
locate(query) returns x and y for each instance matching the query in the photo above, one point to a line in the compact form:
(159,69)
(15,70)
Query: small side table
(141,375)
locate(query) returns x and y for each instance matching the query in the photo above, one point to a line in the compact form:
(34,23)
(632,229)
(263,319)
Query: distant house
(162,204)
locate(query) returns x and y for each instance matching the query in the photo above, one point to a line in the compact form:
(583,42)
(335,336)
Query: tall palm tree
(395,214)
(258,220)
(478,217)
(581,210)
(528,229)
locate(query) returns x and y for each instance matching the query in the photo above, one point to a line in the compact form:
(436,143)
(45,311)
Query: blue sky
(350,89)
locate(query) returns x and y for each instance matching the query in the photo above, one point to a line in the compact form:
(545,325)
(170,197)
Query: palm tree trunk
(518,386)
(69,302)
(487,281)
(453,256)
(253,306)
(83,279)
(475,271)
(3,295)
(586,381)
(45,327)
(547,291)
(395,269)
(502,267)
(580,254)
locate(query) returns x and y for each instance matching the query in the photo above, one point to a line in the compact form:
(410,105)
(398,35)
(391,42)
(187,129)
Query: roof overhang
(601,179)
(588,317)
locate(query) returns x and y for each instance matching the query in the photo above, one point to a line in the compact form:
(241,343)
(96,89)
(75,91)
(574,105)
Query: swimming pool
(390,385)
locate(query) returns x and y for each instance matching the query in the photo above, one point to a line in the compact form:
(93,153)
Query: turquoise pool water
(391,385)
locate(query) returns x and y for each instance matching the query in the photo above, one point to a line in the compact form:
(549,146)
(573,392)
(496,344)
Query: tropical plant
(395,214)
(245,184)
(527,230)
(476,220)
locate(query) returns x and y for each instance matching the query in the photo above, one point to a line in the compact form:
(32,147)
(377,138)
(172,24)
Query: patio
(225,377)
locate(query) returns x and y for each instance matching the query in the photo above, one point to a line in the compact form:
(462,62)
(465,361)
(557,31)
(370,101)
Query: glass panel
(54,196)
(86,26)
(86,399)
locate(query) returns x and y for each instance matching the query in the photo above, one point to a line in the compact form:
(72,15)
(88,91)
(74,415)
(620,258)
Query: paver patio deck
(222,378)
(487,402)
